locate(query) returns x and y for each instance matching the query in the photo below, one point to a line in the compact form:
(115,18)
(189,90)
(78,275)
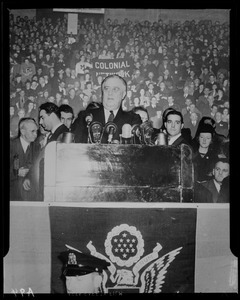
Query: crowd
(176,66)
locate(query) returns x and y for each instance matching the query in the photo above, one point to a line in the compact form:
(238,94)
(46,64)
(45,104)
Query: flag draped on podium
(158,249)
(149,250)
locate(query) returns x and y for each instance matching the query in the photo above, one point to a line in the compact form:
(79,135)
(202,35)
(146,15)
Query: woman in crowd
(204,152)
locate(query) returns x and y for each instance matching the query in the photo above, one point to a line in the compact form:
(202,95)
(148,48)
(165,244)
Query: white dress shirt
(217,185)
(24,144)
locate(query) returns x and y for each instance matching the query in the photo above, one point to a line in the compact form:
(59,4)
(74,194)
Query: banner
(147,249)
(105,67)
(151,247)
(72,23)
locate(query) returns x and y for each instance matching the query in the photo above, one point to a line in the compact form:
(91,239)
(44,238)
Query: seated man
(220,172)
(173,123)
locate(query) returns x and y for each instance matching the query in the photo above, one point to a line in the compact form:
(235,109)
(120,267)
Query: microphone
(126,131)
(88,119)
(110,129)
(95,132)
(136,132)
(147,131)
(161,139)
(126,136)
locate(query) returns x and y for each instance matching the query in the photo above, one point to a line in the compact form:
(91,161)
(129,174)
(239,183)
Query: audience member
(204,153)
(50,120)
(22,154)
(173,123)
(171,63)
(67,115)
(220,171)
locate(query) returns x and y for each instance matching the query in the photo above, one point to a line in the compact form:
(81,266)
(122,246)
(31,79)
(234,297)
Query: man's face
(206,91)
(66,119)
(45,120)
(186,90)
(21,113)
(193,116)
(114,91)
(29,132)
(188,102)
(72,93)
(221,171)
(154,101)
(173,125)
(30,105)
(218,116)
(41,80)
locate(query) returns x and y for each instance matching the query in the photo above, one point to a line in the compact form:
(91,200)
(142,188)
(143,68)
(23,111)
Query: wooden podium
(117,173)
(124,204)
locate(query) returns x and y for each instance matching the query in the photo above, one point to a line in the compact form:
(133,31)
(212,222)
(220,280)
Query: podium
(117,173)
(131,205)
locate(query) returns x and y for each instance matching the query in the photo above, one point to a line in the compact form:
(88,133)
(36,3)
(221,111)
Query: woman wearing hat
(204,152)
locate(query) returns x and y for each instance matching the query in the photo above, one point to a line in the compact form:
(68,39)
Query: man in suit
(221,126)
(50,120)
(181,98)
(173,123)
(22,154)
(192,124)
(220,172)
(114,90)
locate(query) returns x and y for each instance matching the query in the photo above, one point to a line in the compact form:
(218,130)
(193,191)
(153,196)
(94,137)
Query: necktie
(111,116)
(27,150)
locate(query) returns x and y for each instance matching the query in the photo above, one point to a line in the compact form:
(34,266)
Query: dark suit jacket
(17,193)
(209,184)
(180,140)
(180,100)
(201,194)
(224,194)
(56,135)
(36,174)
(193,128)
(222,128)
(122,117)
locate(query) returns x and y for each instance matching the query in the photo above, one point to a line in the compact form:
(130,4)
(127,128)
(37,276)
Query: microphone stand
(110,128)
(89,137)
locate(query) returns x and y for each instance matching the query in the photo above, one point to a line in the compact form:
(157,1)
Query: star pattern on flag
(124,245)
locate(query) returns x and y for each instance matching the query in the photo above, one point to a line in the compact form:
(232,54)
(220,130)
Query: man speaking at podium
(114,90)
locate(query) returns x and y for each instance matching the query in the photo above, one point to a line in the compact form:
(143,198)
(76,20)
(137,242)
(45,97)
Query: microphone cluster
(96,130)
(138,133)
